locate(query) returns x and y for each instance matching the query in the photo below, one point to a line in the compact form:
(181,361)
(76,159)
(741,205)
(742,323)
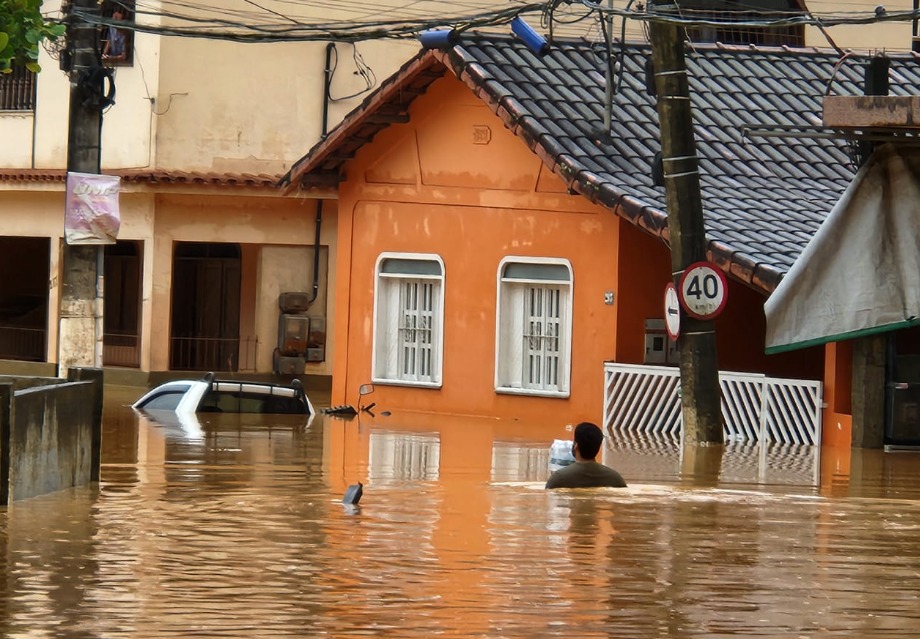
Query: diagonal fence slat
(646,399)
(637,401)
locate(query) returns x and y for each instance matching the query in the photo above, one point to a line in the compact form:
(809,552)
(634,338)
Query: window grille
(727,12)
(544,321)
(107,10)
(408,318)
(534,326)
(17,90)
(415,330)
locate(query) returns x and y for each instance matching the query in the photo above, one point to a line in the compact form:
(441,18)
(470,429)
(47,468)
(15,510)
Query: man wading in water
(586,472)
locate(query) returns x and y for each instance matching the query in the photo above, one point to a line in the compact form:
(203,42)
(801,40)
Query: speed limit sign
(703,290)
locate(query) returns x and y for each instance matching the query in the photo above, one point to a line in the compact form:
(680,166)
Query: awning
(860,273)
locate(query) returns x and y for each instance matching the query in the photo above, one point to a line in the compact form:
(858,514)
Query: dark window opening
(117,43)
(251,402)
(167,400)
(729,11)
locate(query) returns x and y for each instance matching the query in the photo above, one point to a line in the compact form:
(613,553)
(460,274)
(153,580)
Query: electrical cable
(186,19)
(370,79)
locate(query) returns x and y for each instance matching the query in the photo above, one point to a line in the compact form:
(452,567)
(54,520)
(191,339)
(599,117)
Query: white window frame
(385,357)
(509,354)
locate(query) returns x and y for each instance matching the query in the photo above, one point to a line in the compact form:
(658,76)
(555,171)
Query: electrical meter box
(659,347)
(293,333)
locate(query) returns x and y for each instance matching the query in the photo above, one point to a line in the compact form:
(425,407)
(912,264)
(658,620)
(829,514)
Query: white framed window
(533,348)
(408,319)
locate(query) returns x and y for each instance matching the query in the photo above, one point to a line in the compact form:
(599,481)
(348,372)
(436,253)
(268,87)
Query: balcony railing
(743,33)
(121,350)
(213,354)
(17,90)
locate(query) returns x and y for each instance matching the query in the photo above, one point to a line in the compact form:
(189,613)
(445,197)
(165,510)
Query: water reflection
(239,531)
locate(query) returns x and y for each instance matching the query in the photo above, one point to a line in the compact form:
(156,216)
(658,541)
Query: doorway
(26,263)
(205,334)
(121,337)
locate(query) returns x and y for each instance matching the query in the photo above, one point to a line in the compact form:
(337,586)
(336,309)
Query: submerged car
(210,395)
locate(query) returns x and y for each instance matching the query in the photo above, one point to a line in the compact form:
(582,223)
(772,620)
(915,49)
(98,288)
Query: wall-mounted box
(293,302)
(293,333)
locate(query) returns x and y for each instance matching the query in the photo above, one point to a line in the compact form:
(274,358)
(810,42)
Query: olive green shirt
(586,474)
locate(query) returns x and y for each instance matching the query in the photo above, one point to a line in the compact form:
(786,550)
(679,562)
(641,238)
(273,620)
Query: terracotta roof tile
(763,197)
(251,180)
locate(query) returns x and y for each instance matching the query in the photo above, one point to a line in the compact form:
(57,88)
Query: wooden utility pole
(699,367)
(80,328)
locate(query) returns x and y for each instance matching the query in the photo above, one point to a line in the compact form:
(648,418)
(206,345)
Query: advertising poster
(92,215)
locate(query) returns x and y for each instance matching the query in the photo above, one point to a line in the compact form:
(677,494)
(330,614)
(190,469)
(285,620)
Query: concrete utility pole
(699,367)
(80,334)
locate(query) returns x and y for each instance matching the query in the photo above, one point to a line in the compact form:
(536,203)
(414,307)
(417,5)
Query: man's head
(119,13)
(588,438)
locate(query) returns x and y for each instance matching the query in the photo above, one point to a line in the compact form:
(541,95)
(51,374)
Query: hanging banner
(92,215)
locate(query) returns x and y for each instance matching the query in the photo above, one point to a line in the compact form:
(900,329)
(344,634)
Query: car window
(224,401)
(166,400)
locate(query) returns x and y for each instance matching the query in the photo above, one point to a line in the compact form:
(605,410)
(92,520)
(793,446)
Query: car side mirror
(366,389)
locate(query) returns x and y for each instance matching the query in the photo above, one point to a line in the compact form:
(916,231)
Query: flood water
(234,527)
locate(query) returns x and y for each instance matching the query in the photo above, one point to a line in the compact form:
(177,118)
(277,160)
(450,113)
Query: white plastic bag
(560,454)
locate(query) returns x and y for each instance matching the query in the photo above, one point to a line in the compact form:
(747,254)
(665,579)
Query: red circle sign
(703,290)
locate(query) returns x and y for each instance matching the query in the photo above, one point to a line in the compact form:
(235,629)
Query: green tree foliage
(22,29)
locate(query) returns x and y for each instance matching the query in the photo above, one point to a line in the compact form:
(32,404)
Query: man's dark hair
(589,439)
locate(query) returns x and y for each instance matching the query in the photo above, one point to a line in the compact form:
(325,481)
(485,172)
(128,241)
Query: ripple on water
(242,533)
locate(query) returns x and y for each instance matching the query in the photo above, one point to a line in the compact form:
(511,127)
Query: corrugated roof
(763,197)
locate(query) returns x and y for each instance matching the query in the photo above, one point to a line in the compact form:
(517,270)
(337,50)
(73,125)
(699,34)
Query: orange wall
(740,334)
(645,269)
(837,416)
(454,182)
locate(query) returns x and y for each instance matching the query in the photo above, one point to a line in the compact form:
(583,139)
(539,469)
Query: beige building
(201,131)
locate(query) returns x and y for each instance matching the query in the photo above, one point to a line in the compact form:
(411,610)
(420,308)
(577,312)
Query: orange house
(495,248)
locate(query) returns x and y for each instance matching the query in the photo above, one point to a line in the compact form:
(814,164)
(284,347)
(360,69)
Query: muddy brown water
(234,527)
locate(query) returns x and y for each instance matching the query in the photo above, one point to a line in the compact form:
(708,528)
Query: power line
(186,19)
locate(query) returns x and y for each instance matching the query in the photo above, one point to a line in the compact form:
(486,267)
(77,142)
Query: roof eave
(370,112)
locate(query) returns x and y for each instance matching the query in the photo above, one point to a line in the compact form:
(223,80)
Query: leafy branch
(22,30)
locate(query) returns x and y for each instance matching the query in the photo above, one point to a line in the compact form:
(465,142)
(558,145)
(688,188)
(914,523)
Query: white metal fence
(646,399)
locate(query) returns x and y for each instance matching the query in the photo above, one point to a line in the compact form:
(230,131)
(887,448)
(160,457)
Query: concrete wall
(254,107)
(50,433)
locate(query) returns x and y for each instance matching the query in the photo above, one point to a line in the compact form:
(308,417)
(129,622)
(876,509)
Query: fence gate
(646,399)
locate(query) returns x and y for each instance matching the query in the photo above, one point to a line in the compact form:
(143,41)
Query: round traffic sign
(671,311)
(703,290)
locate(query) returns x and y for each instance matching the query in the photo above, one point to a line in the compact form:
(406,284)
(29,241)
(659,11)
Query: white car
(209,395)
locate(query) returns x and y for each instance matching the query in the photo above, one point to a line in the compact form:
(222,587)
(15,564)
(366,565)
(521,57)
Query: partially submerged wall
(50,434)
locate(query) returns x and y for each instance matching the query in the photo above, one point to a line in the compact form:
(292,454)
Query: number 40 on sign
(703,290)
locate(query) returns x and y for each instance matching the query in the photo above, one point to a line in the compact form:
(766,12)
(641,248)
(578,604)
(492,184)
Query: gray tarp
(860,273)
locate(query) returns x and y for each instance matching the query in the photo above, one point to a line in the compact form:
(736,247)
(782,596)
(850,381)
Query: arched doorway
(205,332)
